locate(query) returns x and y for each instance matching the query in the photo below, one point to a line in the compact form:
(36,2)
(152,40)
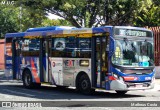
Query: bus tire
(121,92)
(27,80)
(84,85)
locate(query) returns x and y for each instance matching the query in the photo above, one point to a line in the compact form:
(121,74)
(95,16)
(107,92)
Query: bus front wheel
(84,85)
(121,92)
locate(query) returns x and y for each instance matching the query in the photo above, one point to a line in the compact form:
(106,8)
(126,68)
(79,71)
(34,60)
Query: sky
(52,16)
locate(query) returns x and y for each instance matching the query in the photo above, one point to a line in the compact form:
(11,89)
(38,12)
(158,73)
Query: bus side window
(58,46)
(30,47)
(84,47)
(71,47)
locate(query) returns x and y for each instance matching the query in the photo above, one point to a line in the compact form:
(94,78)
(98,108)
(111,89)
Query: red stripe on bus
(112,78)
(130,78)
(34,72)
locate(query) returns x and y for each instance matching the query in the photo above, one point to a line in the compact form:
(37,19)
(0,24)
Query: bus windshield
(129,53)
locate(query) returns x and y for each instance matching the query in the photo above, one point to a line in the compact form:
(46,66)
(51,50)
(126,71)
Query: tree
(7,20)
(22,18)
(58,22)
(89,13)
(31,18)
(149,16)
(79,13)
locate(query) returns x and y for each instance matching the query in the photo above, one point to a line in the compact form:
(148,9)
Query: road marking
(15,92)
(156,88)
(37,92)
(40,92)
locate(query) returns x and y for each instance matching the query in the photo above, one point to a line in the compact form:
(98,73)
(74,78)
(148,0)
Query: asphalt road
(68,97)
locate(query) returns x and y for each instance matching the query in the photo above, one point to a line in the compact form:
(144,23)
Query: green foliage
(18,17)
(58,22)
(148,16)
(8,22)
(31,18)
(79,13)
(89,13)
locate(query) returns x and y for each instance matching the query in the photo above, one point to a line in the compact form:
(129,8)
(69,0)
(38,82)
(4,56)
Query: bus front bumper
(127,86)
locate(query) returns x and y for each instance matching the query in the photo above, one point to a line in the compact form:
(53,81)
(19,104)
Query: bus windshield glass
(133,53)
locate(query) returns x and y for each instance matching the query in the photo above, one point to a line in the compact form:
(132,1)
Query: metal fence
(156,33)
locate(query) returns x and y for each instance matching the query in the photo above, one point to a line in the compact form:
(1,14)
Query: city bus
(119,58)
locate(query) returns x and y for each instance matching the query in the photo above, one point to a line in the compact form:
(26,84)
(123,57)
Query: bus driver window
(128,50)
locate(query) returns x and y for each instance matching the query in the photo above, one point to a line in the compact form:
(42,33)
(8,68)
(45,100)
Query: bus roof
(131,27)
(64,31)
(81,32)
(49,28)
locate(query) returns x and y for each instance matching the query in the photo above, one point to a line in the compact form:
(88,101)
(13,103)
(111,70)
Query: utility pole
(20,17)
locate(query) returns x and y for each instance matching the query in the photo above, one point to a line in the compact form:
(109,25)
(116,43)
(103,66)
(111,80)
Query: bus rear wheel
(84,85)
(121,92)
(27,79)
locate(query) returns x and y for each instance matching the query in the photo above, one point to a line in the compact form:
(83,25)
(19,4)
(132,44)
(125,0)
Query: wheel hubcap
(27,80)
(84,84)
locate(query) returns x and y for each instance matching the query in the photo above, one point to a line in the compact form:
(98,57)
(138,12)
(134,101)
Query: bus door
(44,63)
(99,61)
(16,58)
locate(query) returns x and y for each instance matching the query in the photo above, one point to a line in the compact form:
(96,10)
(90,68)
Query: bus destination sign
(132,32)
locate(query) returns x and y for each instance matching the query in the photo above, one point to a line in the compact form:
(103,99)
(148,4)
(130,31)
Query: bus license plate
(139,85)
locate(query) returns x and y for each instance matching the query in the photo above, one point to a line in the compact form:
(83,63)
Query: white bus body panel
(65,70)
(57,70)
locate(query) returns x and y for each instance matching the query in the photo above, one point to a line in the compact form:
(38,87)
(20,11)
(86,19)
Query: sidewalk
(157,81)
(2,74)
(1,70)
(157,71)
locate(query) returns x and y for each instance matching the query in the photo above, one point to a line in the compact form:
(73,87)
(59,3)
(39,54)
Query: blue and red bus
(119,58)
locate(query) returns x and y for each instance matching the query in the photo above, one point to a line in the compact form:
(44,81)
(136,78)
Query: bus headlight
(118,77)
(115,75)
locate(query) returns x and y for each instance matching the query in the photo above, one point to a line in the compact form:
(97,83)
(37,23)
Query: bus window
(71,48)
(58,46)
(30,47)
(84,48)
(104,54)
(118,55)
